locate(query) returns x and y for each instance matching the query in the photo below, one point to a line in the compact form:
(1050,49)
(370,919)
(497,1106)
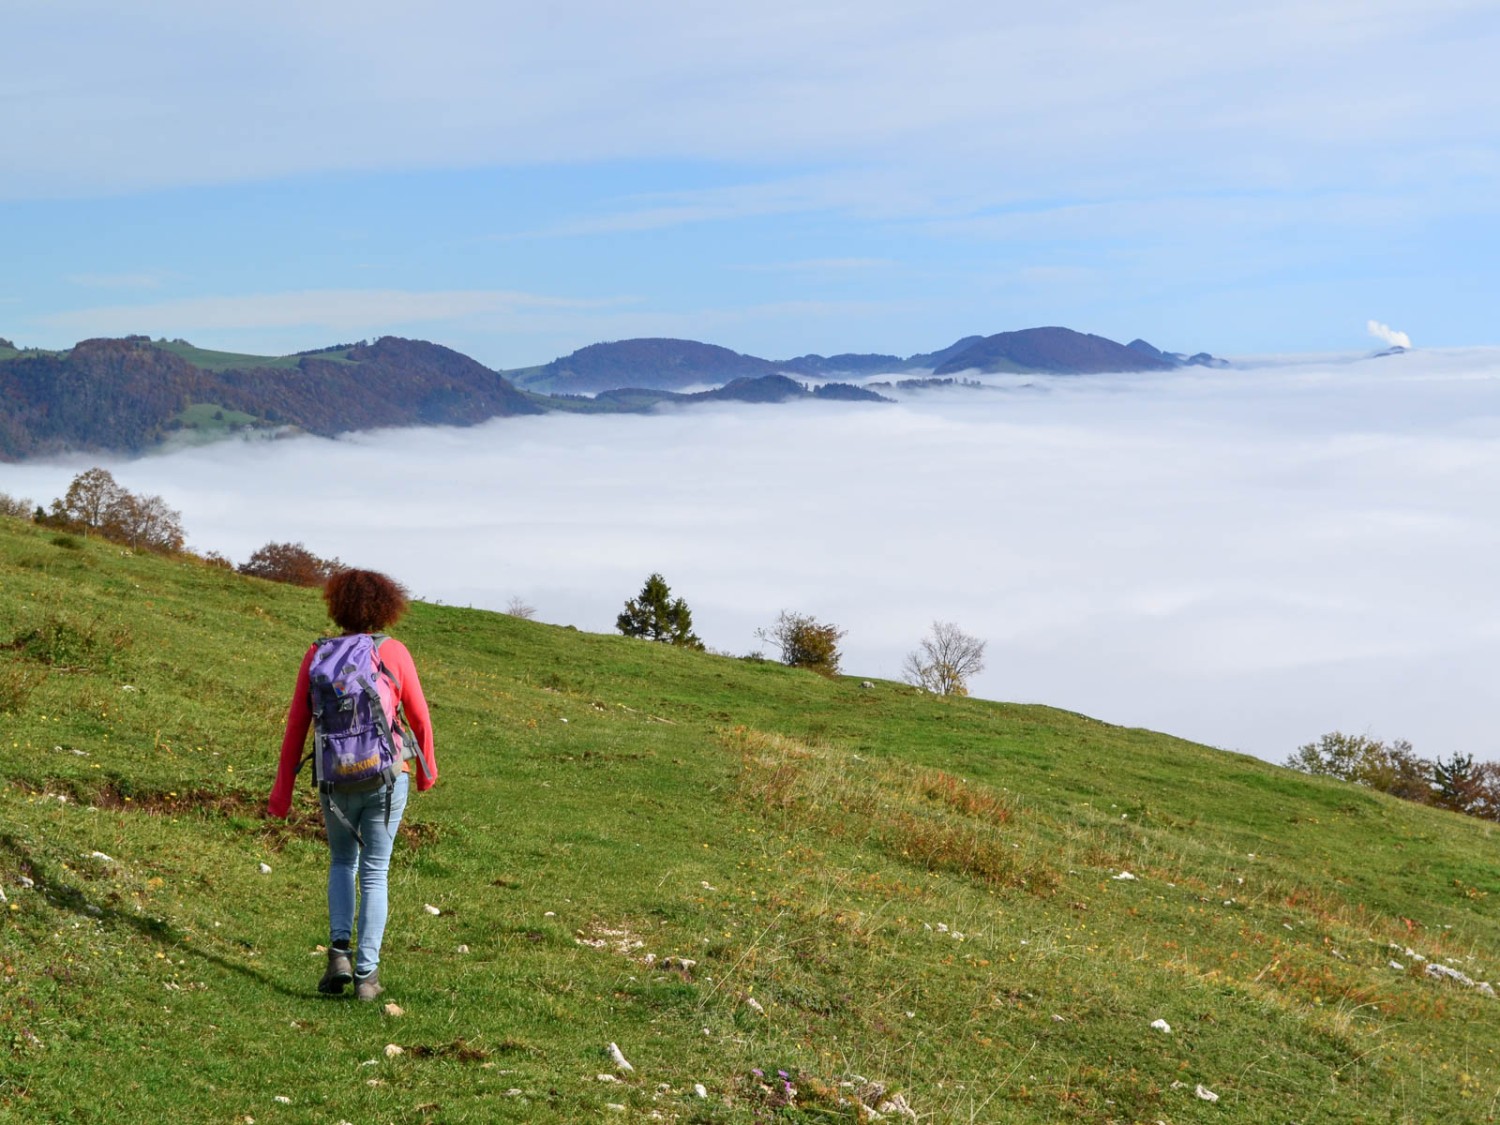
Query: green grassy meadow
(723,866)
(212,360)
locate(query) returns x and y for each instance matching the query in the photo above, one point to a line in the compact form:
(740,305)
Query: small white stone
(1163,1026)
(392,1050)
(1398,966)
(513,1092)
(265,868)
(550,914)
(614,1107)
(431,909)
(283,1099)
(101,856)
(463,949)
(394,1010)
(1124,877)
(754,1005)
(605,1078)
(1206,1094)
(700,1090)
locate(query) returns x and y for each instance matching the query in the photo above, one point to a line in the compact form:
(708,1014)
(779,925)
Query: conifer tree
(657,616)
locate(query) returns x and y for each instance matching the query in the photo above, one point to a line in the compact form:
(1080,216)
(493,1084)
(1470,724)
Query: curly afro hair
(364,601)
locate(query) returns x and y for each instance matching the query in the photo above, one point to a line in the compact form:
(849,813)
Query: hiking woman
(361,816)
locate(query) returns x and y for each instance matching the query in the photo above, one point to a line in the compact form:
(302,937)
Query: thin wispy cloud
(1260,176)
(339,310)
(1245,557)
(795,81)
(820,265)
(142,280)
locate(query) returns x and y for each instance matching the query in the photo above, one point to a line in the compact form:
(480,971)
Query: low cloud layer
(1245,558)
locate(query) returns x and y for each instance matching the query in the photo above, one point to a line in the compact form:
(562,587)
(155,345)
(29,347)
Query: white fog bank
(1248,558)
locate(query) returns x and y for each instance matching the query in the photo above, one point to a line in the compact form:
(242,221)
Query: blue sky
(518,181)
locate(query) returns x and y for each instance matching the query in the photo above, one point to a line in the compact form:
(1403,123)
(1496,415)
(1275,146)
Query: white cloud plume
(1387,334)
(1248,558)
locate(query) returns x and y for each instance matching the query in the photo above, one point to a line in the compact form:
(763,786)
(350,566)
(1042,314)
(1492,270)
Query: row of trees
(1459,783)
(943,662)
(96,504)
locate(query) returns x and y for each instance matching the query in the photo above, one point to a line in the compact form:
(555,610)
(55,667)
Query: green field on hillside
(728,868)
(228,361)
(213,421)
(7,352)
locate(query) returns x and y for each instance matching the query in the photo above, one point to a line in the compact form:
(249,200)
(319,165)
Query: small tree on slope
(945,660)
(655,615)
(805,642)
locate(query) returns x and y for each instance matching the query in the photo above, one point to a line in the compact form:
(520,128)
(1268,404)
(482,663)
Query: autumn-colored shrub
(291,563)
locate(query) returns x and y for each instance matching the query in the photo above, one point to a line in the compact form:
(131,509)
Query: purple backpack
(360,735)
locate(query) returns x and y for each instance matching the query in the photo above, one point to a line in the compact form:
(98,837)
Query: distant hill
(848,363)
(662,364)
(127,395)
(933,360)
(101,395)
(1177,359)
(762,389)
(1056,351)
(130,394)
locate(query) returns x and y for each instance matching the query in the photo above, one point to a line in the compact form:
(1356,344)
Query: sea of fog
(1246,557)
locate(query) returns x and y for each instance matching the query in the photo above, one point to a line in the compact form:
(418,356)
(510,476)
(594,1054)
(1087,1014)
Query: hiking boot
(368,987)
(338,973)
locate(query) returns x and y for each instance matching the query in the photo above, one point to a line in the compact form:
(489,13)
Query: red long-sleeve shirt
(397,659)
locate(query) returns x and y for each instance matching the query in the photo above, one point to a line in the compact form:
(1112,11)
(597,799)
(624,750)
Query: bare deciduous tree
(144,523)
(519,607)
(17,508)
(87,503)
(944,660)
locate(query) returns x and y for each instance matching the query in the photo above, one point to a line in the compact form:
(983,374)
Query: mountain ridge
(129,394)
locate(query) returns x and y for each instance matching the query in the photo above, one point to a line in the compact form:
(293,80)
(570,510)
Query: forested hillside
(128,394)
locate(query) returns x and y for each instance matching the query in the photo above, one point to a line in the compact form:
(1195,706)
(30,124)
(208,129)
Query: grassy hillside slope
(630,844)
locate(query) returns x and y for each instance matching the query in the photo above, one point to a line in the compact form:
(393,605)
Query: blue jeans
(366,812)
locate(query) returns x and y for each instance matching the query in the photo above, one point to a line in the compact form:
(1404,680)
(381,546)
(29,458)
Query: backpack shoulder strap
(381,666)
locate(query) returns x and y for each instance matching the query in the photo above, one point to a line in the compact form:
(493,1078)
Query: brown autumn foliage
(291,563)
(96,504)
